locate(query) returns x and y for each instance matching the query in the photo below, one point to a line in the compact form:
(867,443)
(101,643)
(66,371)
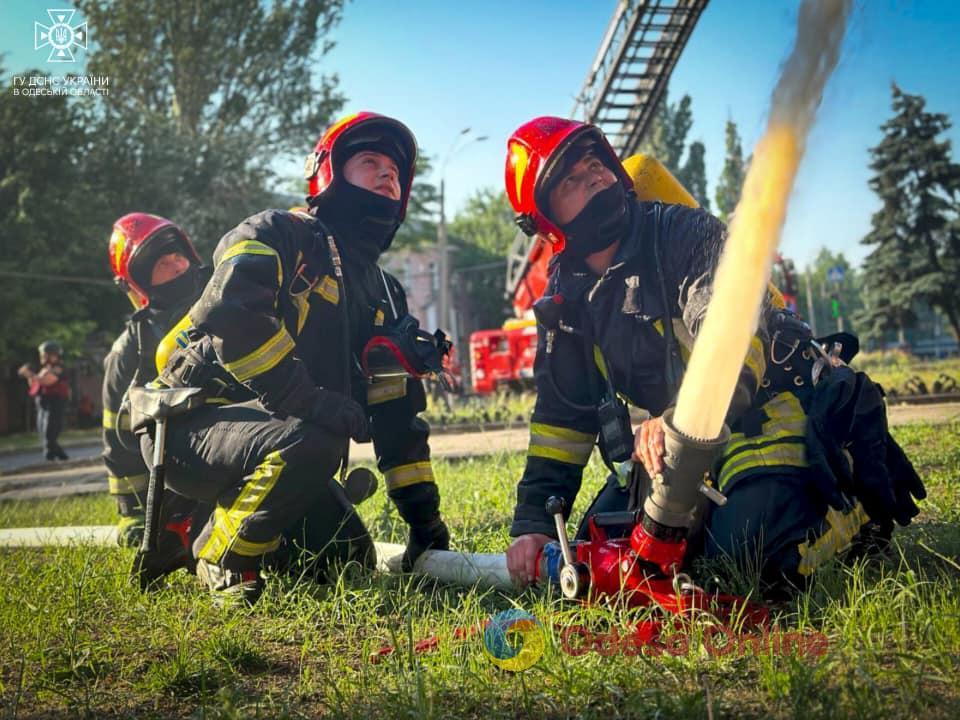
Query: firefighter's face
(375,172)
(168,267)
(578,185)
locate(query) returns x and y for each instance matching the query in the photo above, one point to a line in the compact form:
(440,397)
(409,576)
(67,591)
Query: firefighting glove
(907,484)
(342,416)
(432,536)
(829,417)
(867,445)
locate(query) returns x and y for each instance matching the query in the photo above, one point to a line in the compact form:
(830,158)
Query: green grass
(892,369)
(77,640)
(499,407)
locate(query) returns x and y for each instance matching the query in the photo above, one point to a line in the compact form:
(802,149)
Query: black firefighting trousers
(269,480)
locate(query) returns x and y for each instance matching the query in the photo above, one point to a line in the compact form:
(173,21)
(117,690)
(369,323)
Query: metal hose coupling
(677,491)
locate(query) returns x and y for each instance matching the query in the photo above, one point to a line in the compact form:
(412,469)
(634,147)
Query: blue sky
(442,66)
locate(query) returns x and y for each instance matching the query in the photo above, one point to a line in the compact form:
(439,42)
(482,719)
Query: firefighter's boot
(231,587)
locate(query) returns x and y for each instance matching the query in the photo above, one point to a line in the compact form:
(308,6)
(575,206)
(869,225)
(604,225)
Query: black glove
(433,536)
(341,415)
(907,485)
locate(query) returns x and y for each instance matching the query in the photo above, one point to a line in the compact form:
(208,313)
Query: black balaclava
(604,219)
(365,222)
(602,222)
(181,290)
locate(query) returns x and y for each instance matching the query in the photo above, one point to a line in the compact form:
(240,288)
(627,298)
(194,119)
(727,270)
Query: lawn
(76,639)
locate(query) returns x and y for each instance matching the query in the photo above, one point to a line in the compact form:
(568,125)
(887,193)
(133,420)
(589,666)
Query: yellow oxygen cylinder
(176,337)
(652,181)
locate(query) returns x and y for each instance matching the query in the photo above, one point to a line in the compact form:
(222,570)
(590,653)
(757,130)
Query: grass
(499,407)
(894,368)
(77,640)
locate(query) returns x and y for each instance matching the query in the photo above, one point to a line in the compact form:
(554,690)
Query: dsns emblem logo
(60,35)
(513,640)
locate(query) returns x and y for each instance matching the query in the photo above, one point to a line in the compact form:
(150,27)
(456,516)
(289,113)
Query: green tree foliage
(731,177)
(204,98)
(482,234)
(693,174)
(44,199)
(667,137)
(423,210)
(916,233)
(847,292)
(666,140)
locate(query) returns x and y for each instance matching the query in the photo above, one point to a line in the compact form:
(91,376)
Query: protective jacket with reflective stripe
(131,359)
(274,315)
(614,325)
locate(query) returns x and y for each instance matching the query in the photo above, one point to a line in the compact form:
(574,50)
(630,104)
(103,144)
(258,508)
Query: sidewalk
(85,474)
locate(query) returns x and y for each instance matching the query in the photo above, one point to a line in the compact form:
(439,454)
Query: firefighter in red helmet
(294,298)
(627,293)
(156,265)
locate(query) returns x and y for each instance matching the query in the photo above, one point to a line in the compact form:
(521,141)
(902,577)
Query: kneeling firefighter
(628,290)
(294,300)
(156,265)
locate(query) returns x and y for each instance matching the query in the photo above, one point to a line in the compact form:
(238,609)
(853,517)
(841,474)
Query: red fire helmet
(532,154)
(361,128)
(136,243)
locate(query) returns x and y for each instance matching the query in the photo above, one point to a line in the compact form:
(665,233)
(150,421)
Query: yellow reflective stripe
(780,454)
(328,289)
(681,333)
(115,421)
(782,442)
(228,522)
(127,484)
(386,390)
(410,474)
(263,358)
(378,318)
(598,359)
(559,443)
(843,528)
(252,247)
(756,359)
(254,549)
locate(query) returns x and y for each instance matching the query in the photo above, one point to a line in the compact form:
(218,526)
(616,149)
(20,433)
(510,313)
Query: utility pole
(810,316)
(442,292)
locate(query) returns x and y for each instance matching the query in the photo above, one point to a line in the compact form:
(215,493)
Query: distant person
(50,391)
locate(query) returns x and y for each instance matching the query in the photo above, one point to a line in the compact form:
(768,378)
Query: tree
(732,175)
(667,136)
(43,202)
(824,291)
(420,226)
(916,232)
(483,233)
(203,98)
(693,174)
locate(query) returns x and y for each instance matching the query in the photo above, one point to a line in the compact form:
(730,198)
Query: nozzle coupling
(675,493)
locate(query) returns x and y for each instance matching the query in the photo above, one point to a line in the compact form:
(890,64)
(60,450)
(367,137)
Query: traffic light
(834,307)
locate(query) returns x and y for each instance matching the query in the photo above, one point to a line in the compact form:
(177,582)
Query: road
(86,474)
